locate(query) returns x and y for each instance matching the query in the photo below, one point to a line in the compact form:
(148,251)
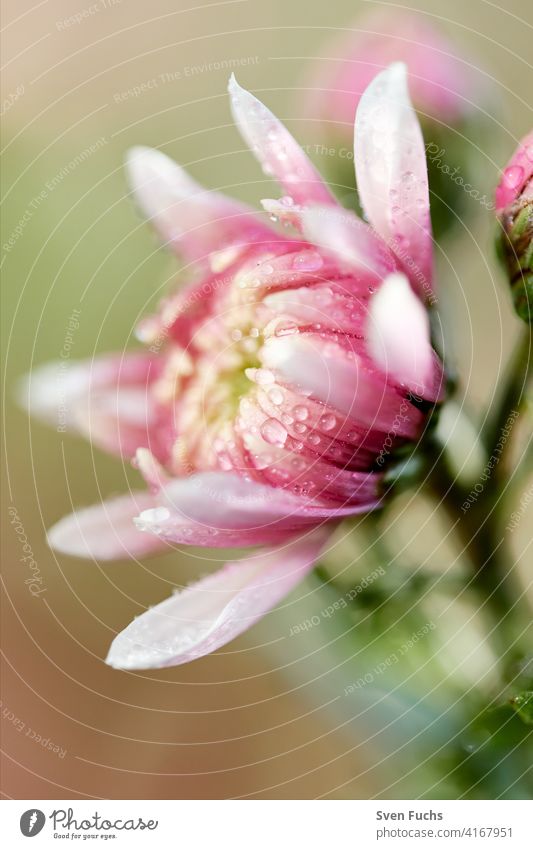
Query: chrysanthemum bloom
(445,89)
(514,207)
(274,384)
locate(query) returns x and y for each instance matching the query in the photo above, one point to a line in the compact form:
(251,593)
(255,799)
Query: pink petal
(215,610)
(322,369)
(517,174)
(348,239)
(222,509)
(213,509)
(107,399)
(190,218)
(277,151)
(398,335)
(284,212)
(105,531)
(391,173)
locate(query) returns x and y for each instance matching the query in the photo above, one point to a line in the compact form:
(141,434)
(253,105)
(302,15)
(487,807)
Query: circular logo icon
(32,822)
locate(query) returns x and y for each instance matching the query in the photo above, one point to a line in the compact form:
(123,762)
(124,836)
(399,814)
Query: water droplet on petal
(308,261)
(513,176)
(155,514)
(276,396)
(301,413)
(328,422)
(273,432)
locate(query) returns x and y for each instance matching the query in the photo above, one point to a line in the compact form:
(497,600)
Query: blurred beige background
(255,720)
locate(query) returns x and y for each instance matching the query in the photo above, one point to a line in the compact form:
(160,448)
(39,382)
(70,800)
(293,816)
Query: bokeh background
(267,717)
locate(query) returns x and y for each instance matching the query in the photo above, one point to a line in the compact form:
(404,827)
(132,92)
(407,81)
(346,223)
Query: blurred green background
(266,717)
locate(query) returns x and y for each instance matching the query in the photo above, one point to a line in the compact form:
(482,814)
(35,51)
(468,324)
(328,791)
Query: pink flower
(273,383)
(440,83)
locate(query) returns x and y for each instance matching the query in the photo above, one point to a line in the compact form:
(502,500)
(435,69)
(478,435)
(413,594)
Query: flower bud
(514,207)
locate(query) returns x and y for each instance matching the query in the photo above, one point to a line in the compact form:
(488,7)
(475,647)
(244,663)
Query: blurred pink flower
(273,383)
(440,83)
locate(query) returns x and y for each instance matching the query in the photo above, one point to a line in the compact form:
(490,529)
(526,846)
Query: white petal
(278,152)
(215,610)
(391,172)
(398,336)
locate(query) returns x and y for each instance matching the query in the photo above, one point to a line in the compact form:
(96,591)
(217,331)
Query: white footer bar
(267,824)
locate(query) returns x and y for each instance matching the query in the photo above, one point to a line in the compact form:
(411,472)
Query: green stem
(520,371)
(492,575)
(478,520)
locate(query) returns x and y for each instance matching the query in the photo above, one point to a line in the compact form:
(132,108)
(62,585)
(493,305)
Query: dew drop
(308,261)
(276,396)
(328,422)
(513,176)
(273,432)
(155,514)
(301,413)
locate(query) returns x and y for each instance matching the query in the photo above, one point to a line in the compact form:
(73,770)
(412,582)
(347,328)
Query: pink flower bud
(514,207)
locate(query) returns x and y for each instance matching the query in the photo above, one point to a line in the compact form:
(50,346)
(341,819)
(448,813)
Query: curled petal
(345,383)
(213,611)
(391,173)
(278,152)
(398,335)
